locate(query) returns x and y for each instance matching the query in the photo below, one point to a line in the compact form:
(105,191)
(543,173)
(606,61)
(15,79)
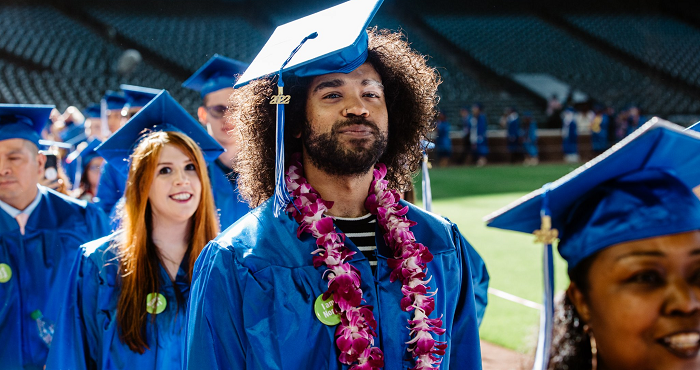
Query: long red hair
(139,259)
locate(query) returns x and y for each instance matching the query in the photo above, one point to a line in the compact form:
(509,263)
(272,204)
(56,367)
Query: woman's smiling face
(176,187)
(643,303)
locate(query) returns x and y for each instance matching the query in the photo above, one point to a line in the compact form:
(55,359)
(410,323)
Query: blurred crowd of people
(602,124)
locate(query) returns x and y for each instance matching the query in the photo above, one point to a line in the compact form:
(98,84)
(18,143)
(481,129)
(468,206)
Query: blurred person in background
(127,298)
(511,122)
(530,140)
(634,119)
(214,82)
(443,142)
(569,134)
(476,138)
(40,233)
(599,130)
(89,165)
(112,182)
(622,124)
(553,111)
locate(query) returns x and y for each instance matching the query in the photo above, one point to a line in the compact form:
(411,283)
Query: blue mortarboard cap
(86,153)
(640,188)
(695,127)
(23,121)
(334,40)
(340,44)
(163,113)
(93,111)
(77,159)
(138,96)
(114,100)
(216,74)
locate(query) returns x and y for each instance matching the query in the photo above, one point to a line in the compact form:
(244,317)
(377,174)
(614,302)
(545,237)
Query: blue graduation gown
(530,140)
(599,133)
(478,134)
(87,334)
(570,137)
(112,185)
(513,131)
(254,288)
(228,203)
(40,260)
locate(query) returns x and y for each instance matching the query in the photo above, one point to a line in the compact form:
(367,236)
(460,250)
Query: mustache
(356,120)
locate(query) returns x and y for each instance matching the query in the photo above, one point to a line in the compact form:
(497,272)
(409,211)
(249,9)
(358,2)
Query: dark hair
(571,347)
(410,87)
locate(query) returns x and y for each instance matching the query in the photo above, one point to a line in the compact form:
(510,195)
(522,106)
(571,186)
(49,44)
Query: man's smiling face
(346,126)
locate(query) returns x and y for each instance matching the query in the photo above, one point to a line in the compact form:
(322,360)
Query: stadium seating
(75,66)
(459,88)
(659,41)
(186,37)
(526,44)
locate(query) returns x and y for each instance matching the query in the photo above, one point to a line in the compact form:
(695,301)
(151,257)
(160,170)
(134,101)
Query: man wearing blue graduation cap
(332,270)
(214,81)
(40,232)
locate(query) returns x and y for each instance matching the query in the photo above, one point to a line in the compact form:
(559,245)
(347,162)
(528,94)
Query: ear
(202,115)
(298,135)
(579,300)
(40,161)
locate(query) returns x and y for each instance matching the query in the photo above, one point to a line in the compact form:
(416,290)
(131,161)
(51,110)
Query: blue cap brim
(23,121)
(138,96)
(216,74)
(163,113)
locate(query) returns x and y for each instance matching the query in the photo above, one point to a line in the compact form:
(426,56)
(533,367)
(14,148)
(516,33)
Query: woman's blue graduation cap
(93,111)
(163,113)
(77,159)
(216,74)
(640,188)
(23,121)
(114,100)
(138,96)
(331,41)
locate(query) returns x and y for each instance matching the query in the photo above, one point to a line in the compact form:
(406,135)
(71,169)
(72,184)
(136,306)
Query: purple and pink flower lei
(356,331)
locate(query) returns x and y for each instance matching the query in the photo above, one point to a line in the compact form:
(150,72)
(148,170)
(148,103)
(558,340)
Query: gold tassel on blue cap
(282,196)
(547,236)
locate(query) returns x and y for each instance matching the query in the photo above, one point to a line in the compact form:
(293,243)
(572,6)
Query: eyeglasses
(216,111)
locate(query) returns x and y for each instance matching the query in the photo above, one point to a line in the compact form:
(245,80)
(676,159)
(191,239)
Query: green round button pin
(155,303)
(5,273)
(325,312)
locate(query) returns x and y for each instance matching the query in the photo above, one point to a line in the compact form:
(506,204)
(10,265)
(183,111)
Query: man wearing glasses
(214,81)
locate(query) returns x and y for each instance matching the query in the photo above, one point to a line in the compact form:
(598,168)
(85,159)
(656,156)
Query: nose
(682,298)
(181,178)
(356,107)
(4,167)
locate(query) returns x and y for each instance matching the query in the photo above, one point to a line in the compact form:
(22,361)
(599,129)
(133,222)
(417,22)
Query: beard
(354,158)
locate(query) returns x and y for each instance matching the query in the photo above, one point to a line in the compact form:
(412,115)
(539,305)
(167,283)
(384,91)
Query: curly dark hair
(410,88)
(571,346)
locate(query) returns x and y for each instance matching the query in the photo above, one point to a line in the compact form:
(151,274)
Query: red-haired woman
(126,305)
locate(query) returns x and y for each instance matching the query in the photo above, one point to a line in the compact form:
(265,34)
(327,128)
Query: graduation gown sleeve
(215,303)
(111,188)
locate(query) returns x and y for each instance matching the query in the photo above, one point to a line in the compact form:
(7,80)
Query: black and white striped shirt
(361,231)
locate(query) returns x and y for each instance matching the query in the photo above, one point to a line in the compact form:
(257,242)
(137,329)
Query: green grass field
(465,195)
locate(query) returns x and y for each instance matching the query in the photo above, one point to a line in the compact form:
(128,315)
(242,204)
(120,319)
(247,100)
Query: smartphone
(51,167)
